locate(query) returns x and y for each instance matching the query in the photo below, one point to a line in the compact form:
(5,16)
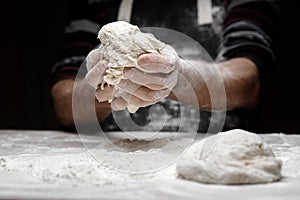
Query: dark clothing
(240,28)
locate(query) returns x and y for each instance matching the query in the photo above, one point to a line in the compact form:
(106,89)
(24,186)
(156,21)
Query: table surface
(56,165)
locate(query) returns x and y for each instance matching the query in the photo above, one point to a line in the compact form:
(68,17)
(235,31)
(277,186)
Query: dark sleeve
(85,18)
(251,30)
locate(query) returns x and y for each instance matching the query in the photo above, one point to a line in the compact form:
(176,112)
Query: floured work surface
(56,165)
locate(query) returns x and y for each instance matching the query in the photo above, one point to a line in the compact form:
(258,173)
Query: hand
(149,83)
(96,68)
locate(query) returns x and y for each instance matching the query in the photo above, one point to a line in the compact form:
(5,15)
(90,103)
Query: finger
(93,58)
(155,63)
(132,108)
(135,101)
(95,75)
(105,94)
(134,89)
(152,81)
(142,92)
(118,103)
(169,51)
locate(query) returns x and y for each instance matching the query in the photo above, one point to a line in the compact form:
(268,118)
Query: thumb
(92,59)
(95,75)
(155,63)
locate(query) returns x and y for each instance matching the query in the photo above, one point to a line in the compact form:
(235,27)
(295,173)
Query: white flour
(55,165)
(60,159)
(73,166)
(75,169)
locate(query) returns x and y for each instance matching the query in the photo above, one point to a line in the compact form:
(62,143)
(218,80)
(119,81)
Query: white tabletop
(56,165)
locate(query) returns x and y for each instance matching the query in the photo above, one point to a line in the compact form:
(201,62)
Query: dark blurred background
(32,35)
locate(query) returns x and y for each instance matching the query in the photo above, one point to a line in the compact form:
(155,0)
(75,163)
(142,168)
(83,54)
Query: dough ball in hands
(121,45)
(234,157)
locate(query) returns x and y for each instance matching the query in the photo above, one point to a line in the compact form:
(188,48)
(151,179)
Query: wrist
(197,81)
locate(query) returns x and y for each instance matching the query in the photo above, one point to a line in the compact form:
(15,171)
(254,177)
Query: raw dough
(233,157)
(121,45)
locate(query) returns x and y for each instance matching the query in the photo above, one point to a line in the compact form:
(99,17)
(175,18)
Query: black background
(32,35)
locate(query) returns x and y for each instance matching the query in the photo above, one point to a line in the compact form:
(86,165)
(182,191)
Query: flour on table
(233,157)
(121,45)
(78,167)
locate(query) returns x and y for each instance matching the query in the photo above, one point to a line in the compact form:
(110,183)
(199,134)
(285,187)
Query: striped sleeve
(250,29)
(85,18)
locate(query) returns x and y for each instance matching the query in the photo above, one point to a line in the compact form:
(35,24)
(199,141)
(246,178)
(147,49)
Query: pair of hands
(151,82)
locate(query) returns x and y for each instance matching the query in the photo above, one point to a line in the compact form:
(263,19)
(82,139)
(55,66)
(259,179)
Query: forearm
(62,93)
(238,78)
(241,81)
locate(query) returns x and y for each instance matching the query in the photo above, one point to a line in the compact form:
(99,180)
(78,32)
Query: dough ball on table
(234,157)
